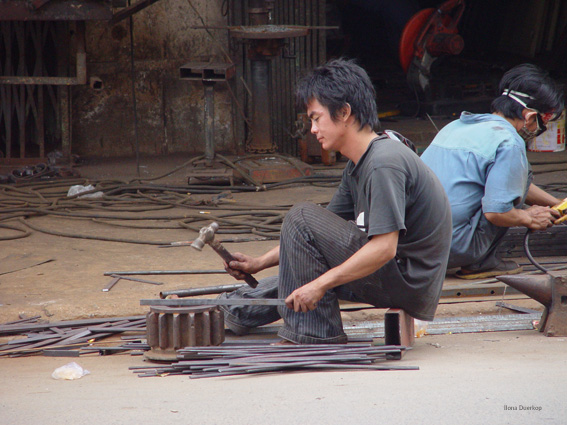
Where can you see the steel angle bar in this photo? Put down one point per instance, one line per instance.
(477, 289)
(214, 301)
(491, 323)
(60, 353)
(469, 324)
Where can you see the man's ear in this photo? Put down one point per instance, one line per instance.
(528, 115)
(345, 112)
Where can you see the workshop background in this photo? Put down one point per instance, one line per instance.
(103, 78)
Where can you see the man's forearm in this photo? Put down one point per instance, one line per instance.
(270, 258)
(514, 217)
(537, 196)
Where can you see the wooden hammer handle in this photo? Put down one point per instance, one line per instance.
(227, 257)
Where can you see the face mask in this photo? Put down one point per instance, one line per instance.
(529, 135)
(526, 134)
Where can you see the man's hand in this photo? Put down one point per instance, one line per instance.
(542, 217)
(535, 217)
(243, 264)
(305, 299)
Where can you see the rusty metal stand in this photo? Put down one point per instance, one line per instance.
(209, 73)
(264, 42)
(398, 328)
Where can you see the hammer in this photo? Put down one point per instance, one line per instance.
(207, 236)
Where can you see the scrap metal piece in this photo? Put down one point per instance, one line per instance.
(172, 328)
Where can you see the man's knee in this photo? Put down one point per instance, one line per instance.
(300, 214)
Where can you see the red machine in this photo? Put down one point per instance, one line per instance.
(429, 34)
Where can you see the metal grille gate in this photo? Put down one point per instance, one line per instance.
(34, 87)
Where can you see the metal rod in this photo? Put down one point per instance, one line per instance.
(159, 272)
(202, 291)
(209, 123)
(134, 104)
(111, 284)
(138, 280)
(215, 301)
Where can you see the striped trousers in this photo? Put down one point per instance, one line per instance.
(313, 240)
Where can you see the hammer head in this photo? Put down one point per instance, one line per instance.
(206, 235)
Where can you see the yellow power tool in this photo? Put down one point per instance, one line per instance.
(562, 209)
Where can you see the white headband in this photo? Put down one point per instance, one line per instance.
(514, 95)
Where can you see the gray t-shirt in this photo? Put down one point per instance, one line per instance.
(391, 189)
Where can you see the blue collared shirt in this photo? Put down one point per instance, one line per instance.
(481, 162)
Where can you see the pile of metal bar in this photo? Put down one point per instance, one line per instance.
(65, 336)
(235, 359)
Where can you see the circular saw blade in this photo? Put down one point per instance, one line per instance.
(410, 34)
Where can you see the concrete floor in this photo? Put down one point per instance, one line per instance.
(490, 378)
(514, 377)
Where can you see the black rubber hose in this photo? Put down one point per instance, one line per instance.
(529, 254)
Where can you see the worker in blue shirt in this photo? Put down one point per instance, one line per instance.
(481, 162)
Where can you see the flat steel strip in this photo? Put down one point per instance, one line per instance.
(214, 301)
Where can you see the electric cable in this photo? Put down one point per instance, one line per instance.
(529, 254)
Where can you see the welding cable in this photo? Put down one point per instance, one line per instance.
(529, 254)
(244, 225)
(27, 223)
(22, 232)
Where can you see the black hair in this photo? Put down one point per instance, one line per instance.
(532, 81)
(337, 83)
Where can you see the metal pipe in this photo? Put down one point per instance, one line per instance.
(209, 123)
(261, 118)
(191, 292)
(215, 301)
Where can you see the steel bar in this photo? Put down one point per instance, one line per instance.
(61, 353)
(517, 308)
(111, 284)
(227, 360)
(208, 290)
(160, 272)
(214, 301)
(23, 320)
(52, 337)
(135, 279)
(118, 329)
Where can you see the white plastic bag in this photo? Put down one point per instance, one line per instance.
(420, 328)
(79, 188)
(69, 371)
